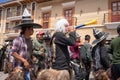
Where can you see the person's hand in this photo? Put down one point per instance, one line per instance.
(70, 29)
(34, 59)
(26, 64)
(42, 49)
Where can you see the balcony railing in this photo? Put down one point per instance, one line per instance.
(15, 15)
(11, 30)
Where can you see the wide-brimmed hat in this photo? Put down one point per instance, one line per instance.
(99, 36)
(27, 21)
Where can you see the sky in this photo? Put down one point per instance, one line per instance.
(1, 1)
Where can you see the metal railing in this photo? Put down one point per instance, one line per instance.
(15, 13)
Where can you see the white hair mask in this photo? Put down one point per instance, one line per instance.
(60, 25)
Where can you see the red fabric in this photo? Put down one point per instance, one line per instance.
(75, 51)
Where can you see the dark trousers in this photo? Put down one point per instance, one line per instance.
(79, 73)
(87, 69)
(115, 71)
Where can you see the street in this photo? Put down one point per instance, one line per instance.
(3, 76)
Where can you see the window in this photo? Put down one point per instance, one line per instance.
(46, 19)
(68, 14)
(8, 12)
(7, 28)
(16, 23)
(33, 6)
(18, 10)
(115, 15)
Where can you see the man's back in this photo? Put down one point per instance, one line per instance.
(115, 48)
(86, 52)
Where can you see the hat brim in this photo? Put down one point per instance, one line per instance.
(34, 25)
(99, 40)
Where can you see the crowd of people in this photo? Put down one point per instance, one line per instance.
(63, 54)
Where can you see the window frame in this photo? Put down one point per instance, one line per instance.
(72, 15)
(18, 13)
(8, 12)
(113, 15)
(48, 20)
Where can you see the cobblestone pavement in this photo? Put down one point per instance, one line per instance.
(3, 76)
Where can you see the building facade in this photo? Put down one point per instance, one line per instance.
(102, 14)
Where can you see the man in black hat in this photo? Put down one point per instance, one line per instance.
(115, 50)
(100, 51)
(22, 45)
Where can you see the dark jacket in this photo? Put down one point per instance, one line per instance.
(62, 57)
(115, 50)
(86, 52)
(104, 55)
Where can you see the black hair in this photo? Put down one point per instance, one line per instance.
(87, 37)
(23, 28)
(118, 29)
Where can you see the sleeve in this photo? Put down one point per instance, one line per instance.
(16, 45)
(110, 49)
(93, 53)
(61, 38)
(105, 57)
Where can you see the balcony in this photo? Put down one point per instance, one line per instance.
(9, 3)
(108, 24)
(11, 34)
(112, 25)
(11, 30)
(16, 15)
(39, 1)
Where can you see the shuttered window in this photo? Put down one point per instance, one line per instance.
(46, 20)
(115, 15)
(68, 14)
